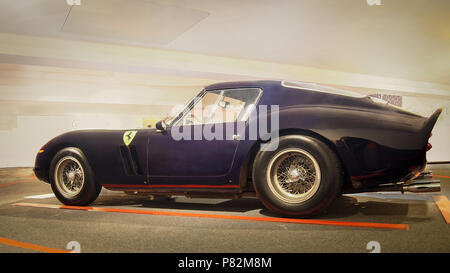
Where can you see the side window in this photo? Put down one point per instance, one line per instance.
(221, 106)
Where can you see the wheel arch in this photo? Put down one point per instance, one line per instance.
(53, 150)
(245, 177)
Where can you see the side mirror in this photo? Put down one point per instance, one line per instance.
(161, 126)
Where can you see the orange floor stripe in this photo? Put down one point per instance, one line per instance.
(15, 182)
(444, 206)
(441, 176)
(15, 243)
(230, 217)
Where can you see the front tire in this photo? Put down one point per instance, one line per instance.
(301, 177)
(72, 179)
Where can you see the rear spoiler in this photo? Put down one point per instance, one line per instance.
(429, 124)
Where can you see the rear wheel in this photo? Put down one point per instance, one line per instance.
(72, 179)
(301, 177)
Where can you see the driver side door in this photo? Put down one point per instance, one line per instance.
(200, 145)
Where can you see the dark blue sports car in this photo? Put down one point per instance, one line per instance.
(296, 146)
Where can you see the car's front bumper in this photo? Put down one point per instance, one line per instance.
(40, 173)
(40, 167)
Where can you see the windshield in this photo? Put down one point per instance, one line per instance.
(179, 110)
(217, 106)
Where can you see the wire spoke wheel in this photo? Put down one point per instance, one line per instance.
(69, 176)
(293, 175)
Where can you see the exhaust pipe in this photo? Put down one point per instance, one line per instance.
(429, 186)
(422, 183)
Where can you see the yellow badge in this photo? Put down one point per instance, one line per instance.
(128, 137)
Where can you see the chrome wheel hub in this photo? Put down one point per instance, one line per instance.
(295, 175)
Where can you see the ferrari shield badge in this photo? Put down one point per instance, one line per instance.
(128, 137)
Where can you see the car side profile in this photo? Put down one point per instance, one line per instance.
(296, 146)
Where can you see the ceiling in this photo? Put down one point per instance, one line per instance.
(406, 39)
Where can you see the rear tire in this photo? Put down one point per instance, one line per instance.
(301, 177)
(72, 179)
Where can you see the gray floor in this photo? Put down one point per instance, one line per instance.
(116, 232)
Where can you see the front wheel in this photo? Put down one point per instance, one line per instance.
(302, 177)
(72, 179)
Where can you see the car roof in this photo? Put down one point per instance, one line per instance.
(284, 83)
(242, 84)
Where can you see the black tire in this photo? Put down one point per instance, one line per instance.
(317, 171)
(87, 190)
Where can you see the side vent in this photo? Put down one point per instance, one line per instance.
(135, 160)
(130, 160)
